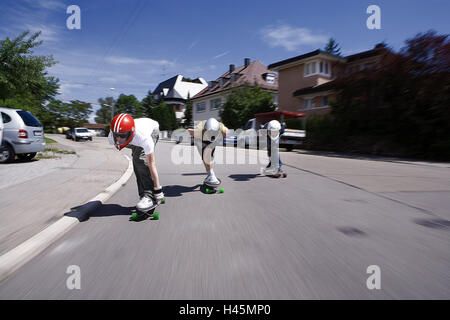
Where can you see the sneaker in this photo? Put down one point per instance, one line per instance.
(212, 180)
(146, 203)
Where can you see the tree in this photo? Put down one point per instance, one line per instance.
(165, 116)
(148, 103)
(243, 103)
(188, 113)
(21, 73)
(103, 115)
(128, 104)
(332, 47)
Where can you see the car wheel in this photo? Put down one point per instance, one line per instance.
(7, 155)
(26, 156)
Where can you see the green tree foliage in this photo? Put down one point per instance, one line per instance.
(332, 47)
(400, 107)
(166, 117)
(243, 103)
(148, 103)
(103, 114)
(128, 104)
(188, 113)
(23, 75)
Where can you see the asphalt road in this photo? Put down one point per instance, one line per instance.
(308, 236)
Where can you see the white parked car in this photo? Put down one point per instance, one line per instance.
(81, 134)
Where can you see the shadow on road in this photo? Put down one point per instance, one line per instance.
(177, 190)
(244, 177)
(108, 210)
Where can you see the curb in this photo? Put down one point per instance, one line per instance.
(23, 253)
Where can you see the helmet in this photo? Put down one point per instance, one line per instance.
(212, 128)
(122, 128)
(273, 129)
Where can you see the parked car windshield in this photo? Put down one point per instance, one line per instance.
(82, 130)
(29, 119)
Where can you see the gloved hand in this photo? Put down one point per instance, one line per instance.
(158, 194)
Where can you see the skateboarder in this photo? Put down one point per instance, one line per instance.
(207, 135)
(141, 136)
(274, 130)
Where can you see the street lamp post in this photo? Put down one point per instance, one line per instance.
(112, 107)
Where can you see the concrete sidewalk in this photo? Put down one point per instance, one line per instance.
(35, 194)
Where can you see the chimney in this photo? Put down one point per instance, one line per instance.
(246, 62)
(231, 68)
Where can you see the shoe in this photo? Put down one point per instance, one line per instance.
(212, 180)
(145, 204)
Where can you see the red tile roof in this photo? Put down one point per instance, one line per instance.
(254, 72)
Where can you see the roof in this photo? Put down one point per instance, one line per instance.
(253, 73)
(94, 125)
(301, 57)
(169, 83)
(285, 114)
(365, 54)
(319, 88)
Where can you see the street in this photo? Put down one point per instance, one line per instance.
(312, 235)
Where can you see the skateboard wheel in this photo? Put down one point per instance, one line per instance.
(163, 201)
(221, 190)
(134, 216)
(156, 216)
(208, 191)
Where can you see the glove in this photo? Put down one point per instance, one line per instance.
(159, 195)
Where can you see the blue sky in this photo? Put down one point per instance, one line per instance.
(132, 45)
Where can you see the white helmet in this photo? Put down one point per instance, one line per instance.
(273, 129)
(212, 128)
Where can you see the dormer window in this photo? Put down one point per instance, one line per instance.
(270, 78)
(319, 67)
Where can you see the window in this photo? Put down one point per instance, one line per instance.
(309, 103)
(29, 119)
(215, 104)
(201, 106)
(270, 78)
(317, 67)
(324, 101)
(5, 118)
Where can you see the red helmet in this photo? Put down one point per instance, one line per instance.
(122, 128)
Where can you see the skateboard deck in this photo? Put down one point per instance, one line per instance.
(213, 188)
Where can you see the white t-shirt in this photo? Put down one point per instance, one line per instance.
(144, 128)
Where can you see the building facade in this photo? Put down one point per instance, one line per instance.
(306, 82)
(207, 103)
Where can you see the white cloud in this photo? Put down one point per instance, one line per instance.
(129, 60)
(221, 55)
(48, 4)
(291, 38)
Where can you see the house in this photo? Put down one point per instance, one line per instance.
(206, 104)
(306, 81)
(96, 128)
(176, 90)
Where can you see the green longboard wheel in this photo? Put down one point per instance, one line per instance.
(156, 216)
(134, 216)
(208, 191)
(221, 190)
(163, 201)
